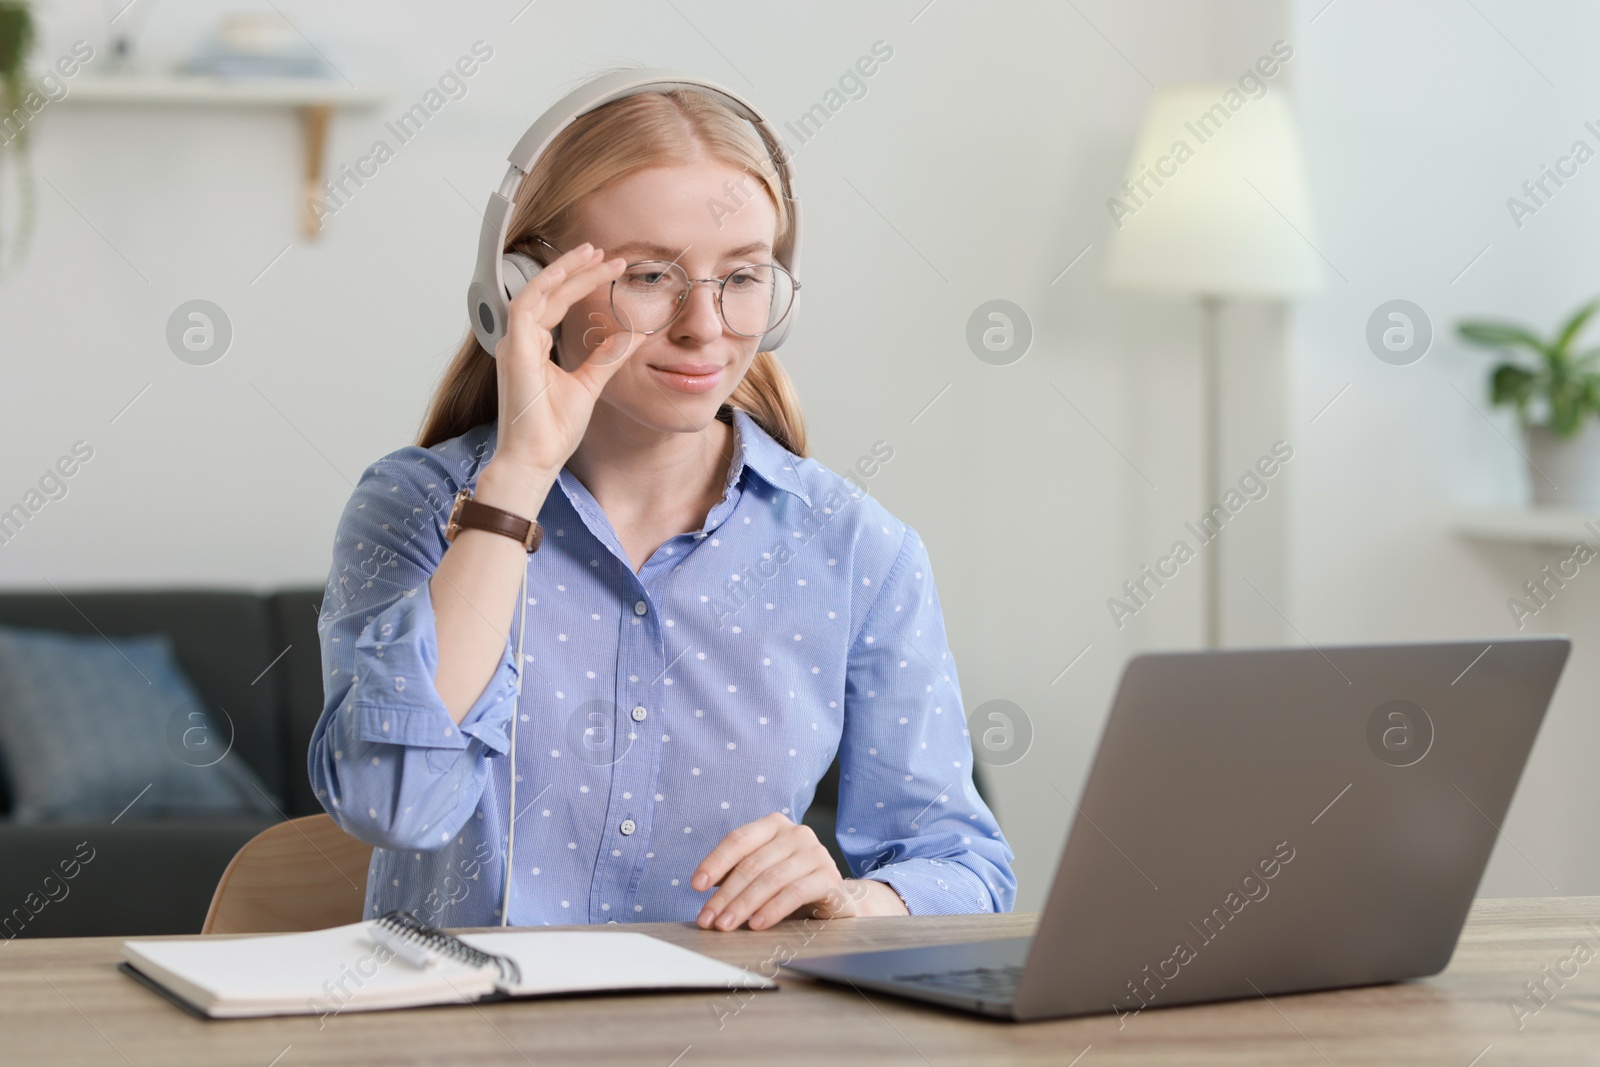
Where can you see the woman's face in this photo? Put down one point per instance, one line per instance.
(708, 217)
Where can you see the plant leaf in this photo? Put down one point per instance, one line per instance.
(1569, 403)
(1498, 335)
(1574, 324)
(1511, 384)
(1585, 358)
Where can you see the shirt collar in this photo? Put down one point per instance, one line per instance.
(753, 448)
(761, 452)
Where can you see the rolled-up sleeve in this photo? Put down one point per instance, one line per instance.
(386, 760)
(909, 814)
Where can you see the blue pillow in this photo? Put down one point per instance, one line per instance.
(94, 727)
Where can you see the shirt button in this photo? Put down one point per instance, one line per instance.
(611, 922)
(639, 713)
(640, 607)
(627, 827)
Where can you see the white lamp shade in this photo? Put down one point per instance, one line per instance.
(1216, 201)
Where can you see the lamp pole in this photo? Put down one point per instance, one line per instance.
(1211, 434)
(1214, 235)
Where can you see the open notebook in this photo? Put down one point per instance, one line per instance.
(399, 962)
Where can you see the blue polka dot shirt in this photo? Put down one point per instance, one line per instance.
(659, 710)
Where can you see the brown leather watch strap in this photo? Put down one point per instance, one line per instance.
(469, 514)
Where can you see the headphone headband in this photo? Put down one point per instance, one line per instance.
(487, 296)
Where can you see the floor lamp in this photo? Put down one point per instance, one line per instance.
(1215, 206)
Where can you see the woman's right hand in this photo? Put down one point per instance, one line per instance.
(544, 409)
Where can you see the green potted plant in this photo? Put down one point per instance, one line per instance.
(1555, 389)
(16, 41)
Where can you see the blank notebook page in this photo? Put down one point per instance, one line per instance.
(319, 970)
(559, 961)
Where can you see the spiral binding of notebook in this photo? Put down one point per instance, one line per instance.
(408, 928)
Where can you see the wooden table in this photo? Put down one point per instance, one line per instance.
(62, 1002)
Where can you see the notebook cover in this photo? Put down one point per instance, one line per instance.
(150, 983)
(168, 995)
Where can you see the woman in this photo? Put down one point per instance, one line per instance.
(709, 615)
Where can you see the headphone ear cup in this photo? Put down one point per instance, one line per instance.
(517, 270)
(780, 333)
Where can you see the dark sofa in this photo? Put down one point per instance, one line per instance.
(157, 876)
(257, 657)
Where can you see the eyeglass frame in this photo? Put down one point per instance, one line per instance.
(683, 301)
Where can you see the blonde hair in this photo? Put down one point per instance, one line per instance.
(652, 129)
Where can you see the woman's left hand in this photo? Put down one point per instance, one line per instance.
(770, 868)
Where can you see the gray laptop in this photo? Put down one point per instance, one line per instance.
(1261, 821)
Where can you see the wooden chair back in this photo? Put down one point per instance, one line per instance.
(303, 874)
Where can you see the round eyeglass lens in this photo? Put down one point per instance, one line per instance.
(754, 297)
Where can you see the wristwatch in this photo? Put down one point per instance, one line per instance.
(472, 514)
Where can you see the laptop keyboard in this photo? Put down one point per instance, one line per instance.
(991, 983)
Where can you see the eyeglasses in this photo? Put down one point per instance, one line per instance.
(649, 295)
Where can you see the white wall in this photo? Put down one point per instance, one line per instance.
(988, 145)
(1420, 120)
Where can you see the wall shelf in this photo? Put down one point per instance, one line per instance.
(314, 98)
(247, 92)
(1527, 526)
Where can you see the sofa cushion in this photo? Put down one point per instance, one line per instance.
(101, 727)
(225, 644)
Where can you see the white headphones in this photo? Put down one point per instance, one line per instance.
(500, 275)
